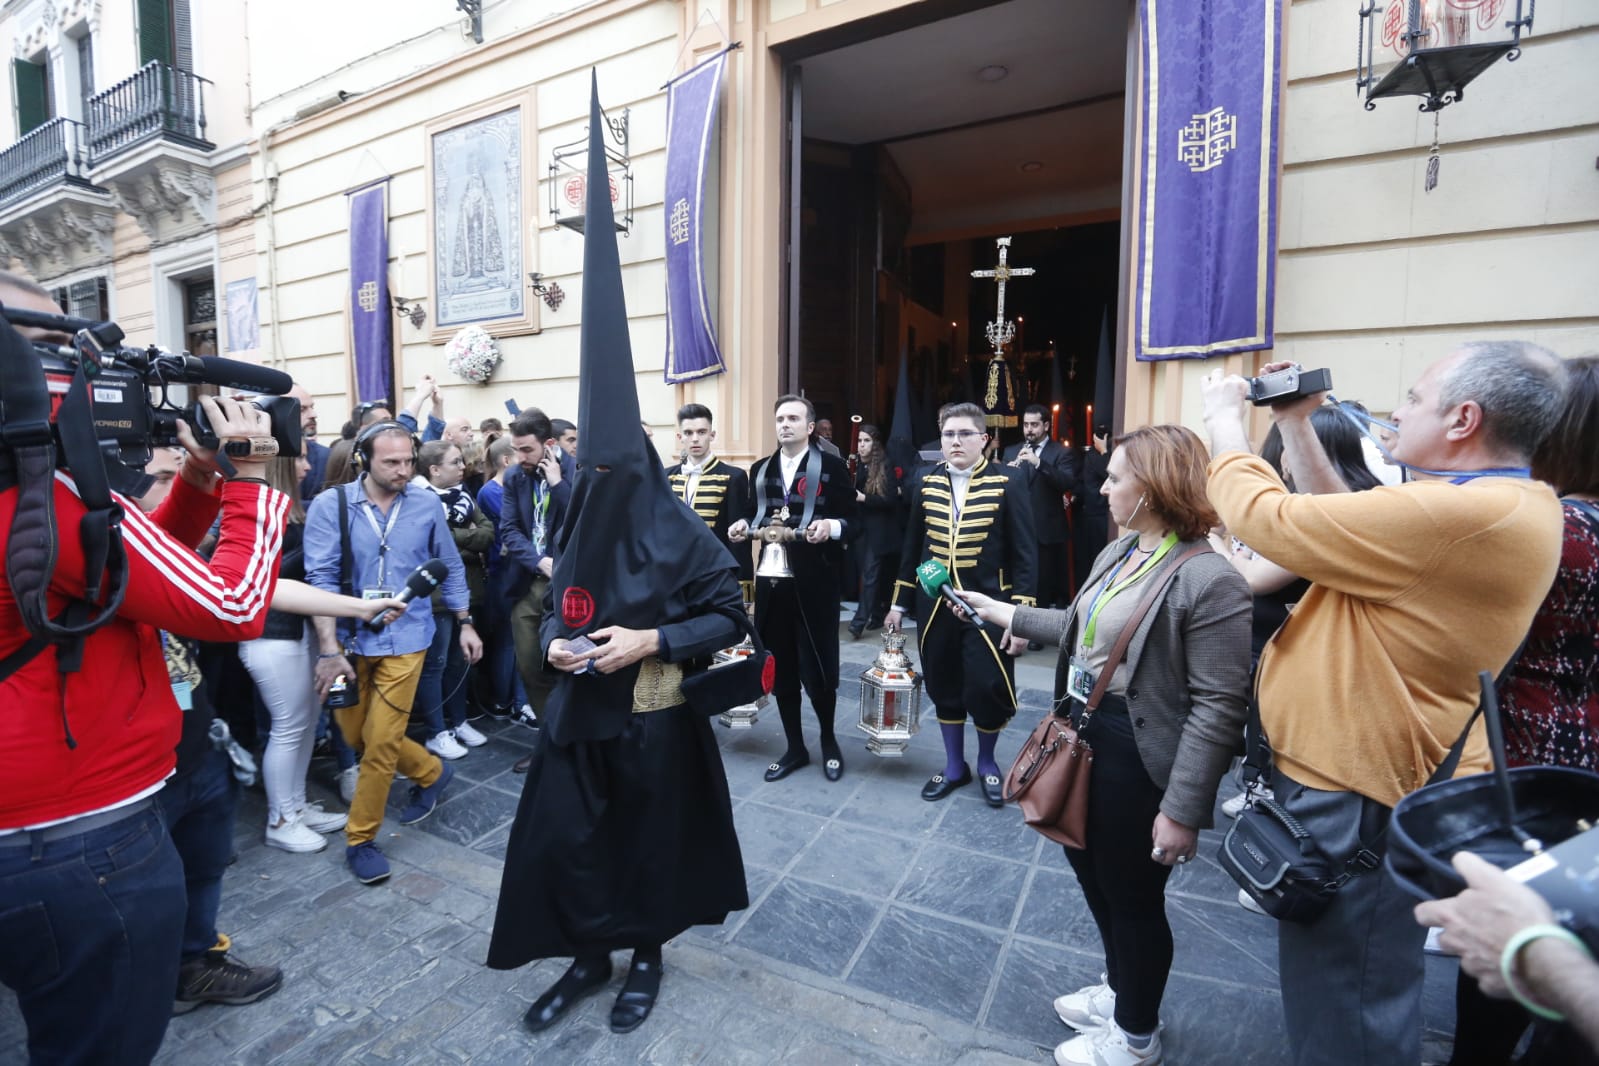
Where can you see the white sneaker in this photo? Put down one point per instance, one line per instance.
(445, 746)
(1108, 1047)
(347, 779)
(524, 715)
(1246, 901)
(469, 736)
(313, 817)
(1088, 1008)
(294, 835)
(1231, 808)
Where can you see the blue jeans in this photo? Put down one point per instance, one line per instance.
(500, 648)
(441, 692)
(198, 807)
(91, 925)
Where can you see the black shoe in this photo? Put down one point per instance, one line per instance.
(787, 765)
(855, 632)
(218, 977)
(994, 790)
(501, 711)
(637, 998)
(872, 627)
(1033, 645)
(522, 764)
(939, 786)
(580, 979)
(833, 764)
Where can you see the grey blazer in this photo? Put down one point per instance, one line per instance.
(1188, 675)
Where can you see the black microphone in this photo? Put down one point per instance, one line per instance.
(423, 580)
(232, 374)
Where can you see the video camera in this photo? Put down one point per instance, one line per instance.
(1290, 384)
(131, 408)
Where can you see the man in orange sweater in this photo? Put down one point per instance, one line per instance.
(1415, 588)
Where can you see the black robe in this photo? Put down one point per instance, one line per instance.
(628, 841)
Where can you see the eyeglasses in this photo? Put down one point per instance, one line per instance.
(960, 434)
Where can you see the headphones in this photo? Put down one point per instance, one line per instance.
(366, 441)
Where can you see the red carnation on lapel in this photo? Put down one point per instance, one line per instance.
(799, 486)
(577, 607)
(768, 673)
(899, 472)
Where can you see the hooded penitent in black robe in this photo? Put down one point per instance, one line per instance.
(624, 834)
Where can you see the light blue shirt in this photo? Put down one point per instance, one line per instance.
(385, 547)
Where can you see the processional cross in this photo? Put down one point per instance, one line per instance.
(1001, 330)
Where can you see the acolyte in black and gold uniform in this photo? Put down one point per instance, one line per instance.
(987, 543)
(721, 497)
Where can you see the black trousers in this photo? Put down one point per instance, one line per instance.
(1053, 588)
(1124, 887)
(967, 671)
(877, 579)
(806, 650)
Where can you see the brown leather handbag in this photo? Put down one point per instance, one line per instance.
(1049, 780)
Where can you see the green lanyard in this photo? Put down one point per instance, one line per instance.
(1105, 595)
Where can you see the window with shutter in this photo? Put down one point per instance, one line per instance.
(87, 299)
(155, 32)
(31, 82)
(85, 46)
(182, 38)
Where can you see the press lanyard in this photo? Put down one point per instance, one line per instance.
(1107, 593)
(541, 510)
(382, 535)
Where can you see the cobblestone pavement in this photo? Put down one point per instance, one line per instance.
(882, 930)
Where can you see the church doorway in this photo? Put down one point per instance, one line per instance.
(914, 141)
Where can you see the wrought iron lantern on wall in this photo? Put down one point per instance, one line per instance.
(1441, 46)
(568, 177)
(891, 700)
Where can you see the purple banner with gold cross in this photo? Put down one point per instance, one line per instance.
(371, 319)
(1205, 232)
(691, 100)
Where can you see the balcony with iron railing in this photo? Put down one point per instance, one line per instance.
(51, 154)
(157, 103)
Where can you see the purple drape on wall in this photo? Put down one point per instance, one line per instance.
(691, 100)
(371, 319)
(1206, 230)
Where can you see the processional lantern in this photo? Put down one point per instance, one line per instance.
(745, 715)
(1440, 45)
(891, 700)
(568, 177)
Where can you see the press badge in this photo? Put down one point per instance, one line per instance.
(184, 695)
(1079, 679)
(376, 594)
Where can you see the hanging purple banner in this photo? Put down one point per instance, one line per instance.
(371, 320)
(691, 100)
(1206, 231)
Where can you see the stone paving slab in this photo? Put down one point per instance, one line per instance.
(882, 929)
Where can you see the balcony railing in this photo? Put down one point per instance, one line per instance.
(51, 153)
(158, 101)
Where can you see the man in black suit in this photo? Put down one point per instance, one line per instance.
(537, 490)
(716, 491)
(1051, 471)
(803, 488)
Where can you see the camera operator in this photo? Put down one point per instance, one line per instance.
(1362, 692)
(92, 897)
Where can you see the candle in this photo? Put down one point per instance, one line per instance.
(1088, 418)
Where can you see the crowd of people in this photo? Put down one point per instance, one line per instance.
(1309, 577)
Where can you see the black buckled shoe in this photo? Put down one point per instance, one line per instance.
(833, 766)
(787, 765)
(637, 998)
(939, 786)
(580, 979)
(994, 790)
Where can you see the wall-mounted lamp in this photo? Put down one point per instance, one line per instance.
(552, 293)
(411, 309)
(474, 12)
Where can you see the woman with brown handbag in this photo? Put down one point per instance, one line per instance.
(1165, 730)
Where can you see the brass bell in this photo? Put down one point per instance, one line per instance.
(774, 561)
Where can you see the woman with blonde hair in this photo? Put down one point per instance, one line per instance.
(1163, 734)
(282, 662)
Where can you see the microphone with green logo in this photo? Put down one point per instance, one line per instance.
(934, 579)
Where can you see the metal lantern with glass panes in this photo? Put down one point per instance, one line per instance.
(744, 715)
(891, 699)
(1434, 48)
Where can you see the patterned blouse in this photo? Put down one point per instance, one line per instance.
(1550, 702)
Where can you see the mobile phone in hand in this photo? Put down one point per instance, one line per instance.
(582, 646)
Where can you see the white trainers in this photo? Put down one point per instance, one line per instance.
(294, 835)
(347, 779)
(445, 746)
(524, 715)
(1232, 807)
(469, 736)
(1108, 1047)
(1088, 1008)
(313, 817)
